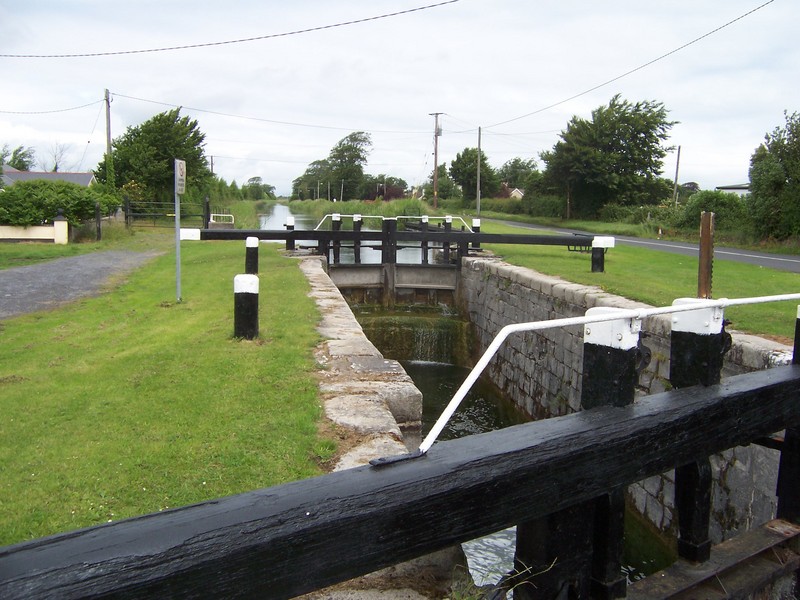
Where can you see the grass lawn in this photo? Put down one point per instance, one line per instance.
(129, 403)
(658, 278)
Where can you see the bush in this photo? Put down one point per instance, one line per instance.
(544, 206)
(509, 206)
(729, 210)
(28, 203)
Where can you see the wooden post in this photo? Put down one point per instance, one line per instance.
(336, 225)
(704, 270)
(789, 470)
(245, 306)
(357, 223)
(584, 543)
(424, 246)
(448, 227)
(476, 228)
(389, 246)
(251, 256)
(206, 212)
(697, 346)
(98, 222)
(610, 358)
(290, 245)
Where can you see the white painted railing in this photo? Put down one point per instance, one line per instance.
(633, 315)
(423, 218)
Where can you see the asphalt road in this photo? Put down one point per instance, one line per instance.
(782, 262)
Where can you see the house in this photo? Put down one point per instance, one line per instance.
(740, 189)
(11, 175)
(516, 193)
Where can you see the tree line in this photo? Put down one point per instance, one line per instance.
(606, 166)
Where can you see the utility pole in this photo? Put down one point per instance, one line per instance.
(436, 133)
(675, 188)
(110, 178)
(478, 191)
(108, 123)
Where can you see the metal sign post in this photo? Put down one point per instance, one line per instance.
(180, 188)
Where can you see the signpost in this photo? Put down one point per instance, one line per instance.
(180, 188)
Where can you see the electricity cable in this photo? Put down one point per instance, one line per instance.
(634, 70)
(229, 42)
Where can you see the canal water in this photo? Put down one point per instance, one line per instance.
(432, 344)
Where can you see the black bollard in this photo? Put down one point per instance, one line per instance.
(251, 256)
(476, 228)
(289, 227)
(245, 307)
(424, 244)
(600, 244)
(336, 225)
(357, 223)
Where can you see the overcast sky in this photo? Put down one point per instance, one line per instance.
(517, 68)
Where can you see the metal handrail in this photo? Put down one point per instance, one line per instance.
(621, 314)
(382, 218)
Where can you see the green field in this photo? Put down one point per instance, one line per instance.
(131, 403)
(657, 278)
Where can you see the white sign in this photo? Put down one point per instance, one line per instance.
(180, 176)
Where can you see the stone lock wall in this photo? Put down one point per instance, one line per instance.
(541, 373)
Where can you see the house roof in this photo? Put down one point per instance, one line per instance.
(744, 187)
(12, 175)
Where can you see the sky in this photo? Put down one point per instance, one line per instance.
(726, 70)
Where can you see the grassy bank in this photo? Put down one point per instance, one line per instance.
(658, 278)
(129, 403)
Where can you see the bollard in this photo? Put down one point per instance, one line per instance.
(357, 223)
(289, 227)
(577, 551)
(336, 225)
(599, 246)
(251, 255)
(476, 228)
(424, 244)
(698, 343)
(245, 307)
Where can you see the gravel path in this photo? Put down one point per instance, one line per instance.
(49, 284)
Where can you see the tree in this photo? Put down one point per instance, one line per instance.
(515, 172)
(447, 187)
(616, 156)
(20, 158)
(256, 189)
(146, 154)
(56, 158)
(347, 160)
(774, 202)
(342, 171)
(316, 176)
(464, 171)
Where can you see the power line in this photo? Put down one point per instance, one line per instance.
(48, 112)
(237, 41)
(262, 120)
(639, 68)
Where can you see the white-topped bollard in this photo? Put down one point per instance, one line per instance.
(289, 227)
(245, 307)
(251, 255)
(600, 244)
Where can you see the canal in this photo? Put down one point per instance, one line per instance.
(434, 346)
